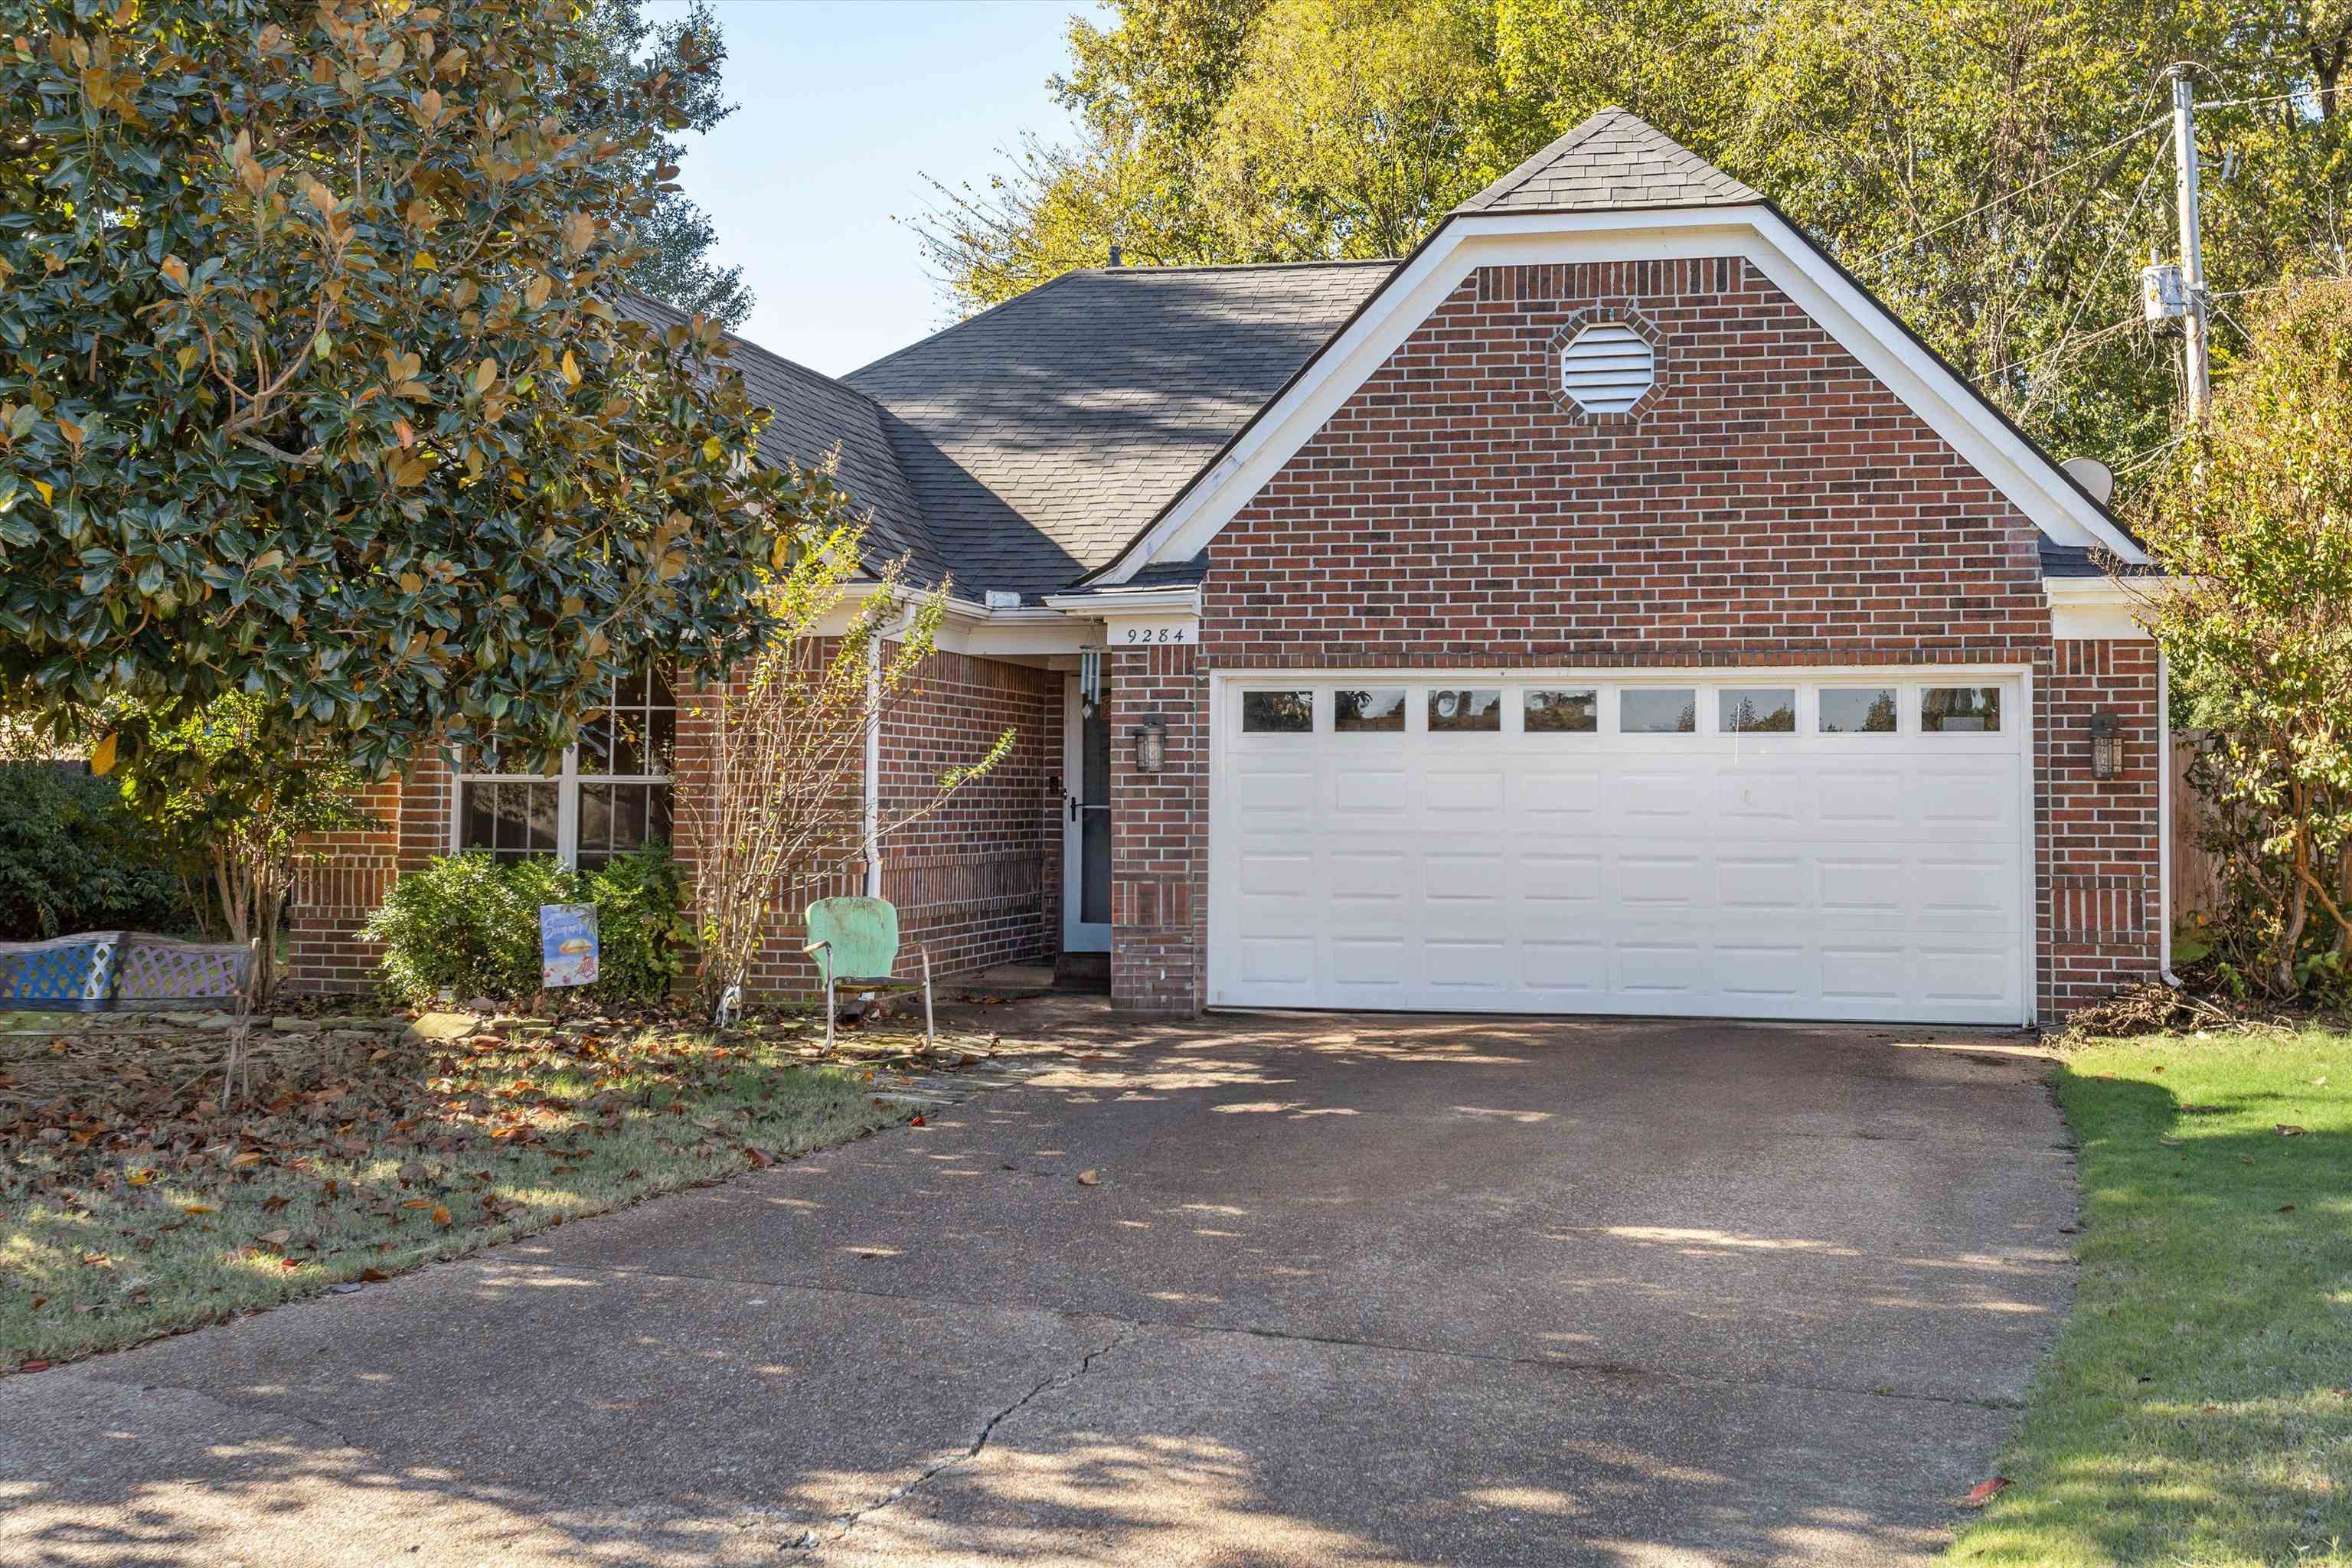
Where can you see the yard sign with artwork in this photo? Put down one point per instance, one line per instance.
(567, 944)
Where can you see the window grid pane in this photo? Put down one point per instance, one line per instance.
(1561, 713)
(1454, 712)
(1858, 710)
(1960, 709)
(1381, 710)
(1659, 710)
(1764, 711)
(615, 778)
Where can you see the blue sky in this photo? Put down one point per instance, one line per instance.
(845, 106)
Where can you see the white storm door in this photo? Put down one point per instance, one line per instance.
(1085, 825)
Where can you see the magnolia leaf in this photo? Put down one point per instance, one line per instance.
(101, 757)
(570, 368)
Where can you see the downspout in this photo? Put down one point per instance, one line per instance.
(2164, 816)
(874, 764)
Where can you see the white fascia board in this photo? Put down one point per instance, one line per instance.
(970, 628)
(1117, 601)
(2099, 609)
(1757, 234)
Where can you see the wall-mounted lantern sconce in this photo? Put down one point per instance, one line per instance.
(1150, 743)
(2107, 746)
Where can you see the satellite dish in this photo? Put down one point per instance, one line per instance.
(2093, 475)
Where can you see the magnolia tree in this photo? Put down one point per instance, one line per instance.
(313, 384)
(2254, 527)
(778, 794)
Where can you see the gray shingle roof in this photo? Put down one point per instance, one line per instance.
(1614, 160)
(816, 417)
(1042, 433)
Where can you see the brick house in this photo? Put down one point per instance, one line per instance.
(1611, 607)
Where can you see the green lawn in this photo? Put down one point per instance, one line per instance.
(2198, 1408)
(132, 1209)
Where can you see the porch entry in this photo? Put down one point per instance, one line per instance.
(1085, 821)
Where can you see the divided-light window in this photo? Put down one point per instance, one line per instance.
(612, 794)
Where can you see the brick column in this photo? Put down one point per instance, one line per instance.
(1160, 834)
(2101, 923)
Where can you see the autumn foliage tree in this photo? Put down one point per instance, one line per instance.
(313, 388)
(2253, 525)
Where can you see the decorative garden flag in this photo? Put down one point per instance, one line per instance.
(567, 944)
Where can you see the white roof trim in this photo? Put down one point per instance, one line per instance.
(1858, 323)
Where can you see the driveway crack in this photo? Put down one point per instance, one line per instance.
(809, 1540)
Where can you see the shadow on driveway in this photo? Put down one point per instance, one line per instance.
(1343, 1290)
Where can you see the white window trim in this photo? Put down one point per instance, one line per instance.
(567, 799)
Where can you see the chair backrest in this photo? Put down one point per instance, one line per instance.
(864, 933)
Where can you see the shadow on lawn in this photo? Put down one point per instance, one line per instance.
(2199, 1406)
(1347, 1291)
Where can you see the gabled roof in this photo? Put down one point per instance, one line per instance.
(1042, 433)
(1614, 161)
(817, 417)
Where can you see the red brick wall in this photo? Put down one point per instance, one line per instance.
(1775, 504)
(2100, 897)
(978, 882)
(1159, 841)
(333, 897)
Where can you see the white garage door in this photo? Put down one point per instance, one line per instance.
(1718, 843)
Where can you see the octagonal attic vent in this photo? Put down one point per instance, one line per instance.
(1607, 368)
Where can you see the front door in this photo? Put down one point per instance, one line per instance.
(1086, 825)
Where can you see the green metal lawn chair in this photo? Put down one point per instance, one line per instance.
(856, 944)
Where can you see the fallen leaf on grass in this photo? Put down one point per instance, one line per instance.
(34, 1366)
(1984, 1492)
(2289, 1129)
(198, 1208)
(917, 1121)
(1090, 1178)
(440, 1214)
(761, 1158)
(275, 1237)
(374, 1276)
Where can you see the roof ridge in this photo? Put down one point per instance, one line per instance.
(1542, 158)
(1149, 268)
(1629, 160)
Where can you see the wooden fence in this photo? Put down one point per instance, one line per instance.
(2196, 879)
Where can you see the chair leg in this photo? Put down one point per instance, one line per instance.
(829, 1004)
(929, 1041)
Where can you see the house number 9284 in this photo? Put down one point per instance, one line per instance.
(1138, 636)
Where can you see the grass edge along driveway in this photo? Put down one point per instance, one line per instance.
(2197, 1408)
(137, 1212)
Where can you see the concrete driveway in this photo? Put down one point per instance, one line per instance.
(1347, 1291)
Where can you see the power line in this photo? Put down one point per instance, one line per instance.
(2009, 195)
(2085, 340)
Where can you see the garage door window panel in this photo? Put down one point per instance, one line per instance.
(1458, 711)
(1561, 712)
(1960, 710)
(1370, 711)
(1658, 710)
(1859, 710)
(1278, 712)
(1756, 710)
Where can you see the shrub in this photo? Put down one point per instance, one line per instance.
(470, 922)
(72, 858)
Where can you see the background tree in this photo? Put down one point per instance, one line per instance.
(626, 51)
(2254, 523)
(310, 390)
(1997, 173)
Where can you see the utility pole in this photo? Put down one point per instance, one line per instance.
(2192, 250)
